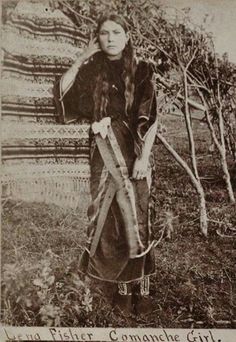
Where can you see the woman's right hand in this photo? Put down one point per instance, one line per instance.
(92, 48)
(69, 77)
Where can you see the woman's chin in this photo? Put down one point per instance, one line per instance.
(113, 55)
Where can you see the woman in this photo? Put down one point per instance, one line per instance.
(108, 87)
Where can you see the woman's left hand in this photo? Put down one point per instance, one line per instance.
(140, 168)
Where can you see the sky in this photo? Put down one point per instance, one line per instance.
(221, 20)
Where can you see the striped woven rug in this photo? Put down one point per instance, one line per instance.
(41, 160)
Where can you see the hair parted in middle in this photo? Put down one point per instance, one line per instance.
(100, 94)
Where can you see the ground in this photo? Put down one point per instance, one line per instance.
(195, 282)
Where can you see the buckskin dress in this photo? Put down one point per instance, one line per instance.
(120, 242)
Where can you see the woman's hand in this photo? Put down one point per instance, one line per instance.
(140, 168)
(69, 77)
(92, 48)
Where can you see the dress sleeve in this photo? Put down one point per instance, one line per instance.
(75, 103)
(146, 105)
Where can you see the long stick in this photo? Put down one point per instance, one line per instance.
(196, 184)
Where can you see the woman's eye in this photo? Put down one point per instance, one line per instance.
(116, 32)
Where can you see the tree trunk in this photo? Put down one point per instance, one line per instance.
(189, 128)
(220, 145)
(195, 182)
(223, 157)
(202, 209)
(226, 177)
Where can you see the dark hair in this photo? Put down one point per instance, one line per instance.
(102, 85)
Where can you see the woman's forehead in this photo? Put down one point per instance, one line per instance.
(110, 25)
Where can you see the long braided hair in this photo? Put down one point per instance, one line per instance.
(100, 94)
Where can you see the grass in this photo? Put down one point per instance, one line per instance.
(194, 285)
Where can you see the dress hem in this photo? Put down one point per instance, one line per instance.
(116, 281)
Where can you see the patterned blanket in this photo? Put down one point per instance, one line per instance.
(42, 160)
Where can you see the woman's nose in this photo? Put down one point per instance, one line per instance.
(110, 37)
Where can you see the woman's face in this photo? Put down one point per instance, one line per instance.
(112, 39)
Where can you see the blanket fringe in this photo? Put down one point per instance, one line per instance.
(73, 193)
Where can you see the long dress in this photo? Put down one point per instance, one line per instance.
(120, 241)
